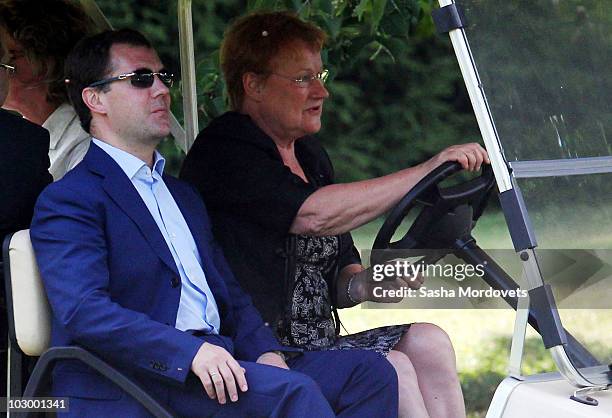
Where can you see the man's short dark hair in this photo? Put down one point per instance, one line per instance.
(89, 62)
(47, 31)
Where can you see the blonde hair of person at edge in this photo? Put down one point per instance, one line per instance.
(38, 36)
(256, 167)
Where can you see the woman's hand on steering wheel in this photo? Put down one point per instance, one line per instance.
(470, 156)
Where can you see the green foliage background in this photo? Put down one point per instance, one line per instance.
(396, 93)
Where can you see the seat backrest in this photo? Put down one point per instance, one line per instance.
(28, 309)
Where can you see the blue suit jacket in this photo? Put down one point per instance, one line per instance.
(112, 282)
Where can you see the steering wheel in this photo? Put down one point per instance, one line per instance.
(448, 213)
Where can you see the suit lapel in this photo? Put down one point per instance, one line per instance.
(121, 190)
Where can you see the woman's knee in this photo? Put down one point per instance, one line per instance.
(425, 337)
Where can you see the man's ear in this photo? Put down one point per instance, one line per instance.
(93, 100)
(253, 86)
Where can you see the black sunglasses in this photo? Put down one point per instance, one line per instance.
(142, 78)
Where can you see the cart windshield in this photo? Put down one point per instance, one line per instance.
(544, 66)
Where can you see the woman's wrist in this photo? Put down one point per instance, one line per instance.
(350, 289)
(355, 289)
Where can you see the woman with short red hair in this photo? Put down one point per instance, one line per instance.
(284, 225)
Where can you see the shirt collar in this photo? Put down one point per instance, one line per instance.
(240, 127)
(130, 164)
(58, 121)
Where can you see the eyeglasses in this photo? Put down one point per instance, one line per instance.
(306, 80)
(9, 68)
(141, 79)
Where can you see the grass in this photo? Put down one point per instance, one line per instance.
(482, 337)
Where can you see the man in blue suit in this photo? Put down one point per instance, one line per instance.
(133, 274)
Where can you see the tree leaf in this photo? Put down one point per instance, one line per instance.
(362, 8)
(378, 10)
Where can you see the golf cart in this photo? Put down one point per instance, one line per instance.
(530, 134)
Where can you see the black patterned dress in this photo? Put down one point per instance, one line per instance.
(308, 321)
(253, 199)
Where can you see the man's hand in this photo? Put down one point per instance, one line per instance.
(272, 359)
(218, 371)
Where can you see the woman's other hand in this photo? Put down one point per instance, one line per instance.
(272, 359)
(393, 289)
(471, 156)
(390, 290)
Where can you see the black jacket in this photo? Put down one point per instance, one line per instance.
(253, 198)
(24, 164)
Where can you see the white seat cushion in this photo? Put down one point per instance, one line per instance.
(31, 310)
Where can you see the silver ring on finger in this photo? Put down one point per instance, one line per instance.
(213, 373)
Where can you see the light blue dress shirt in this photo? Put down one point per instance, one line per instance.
(197, 308)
